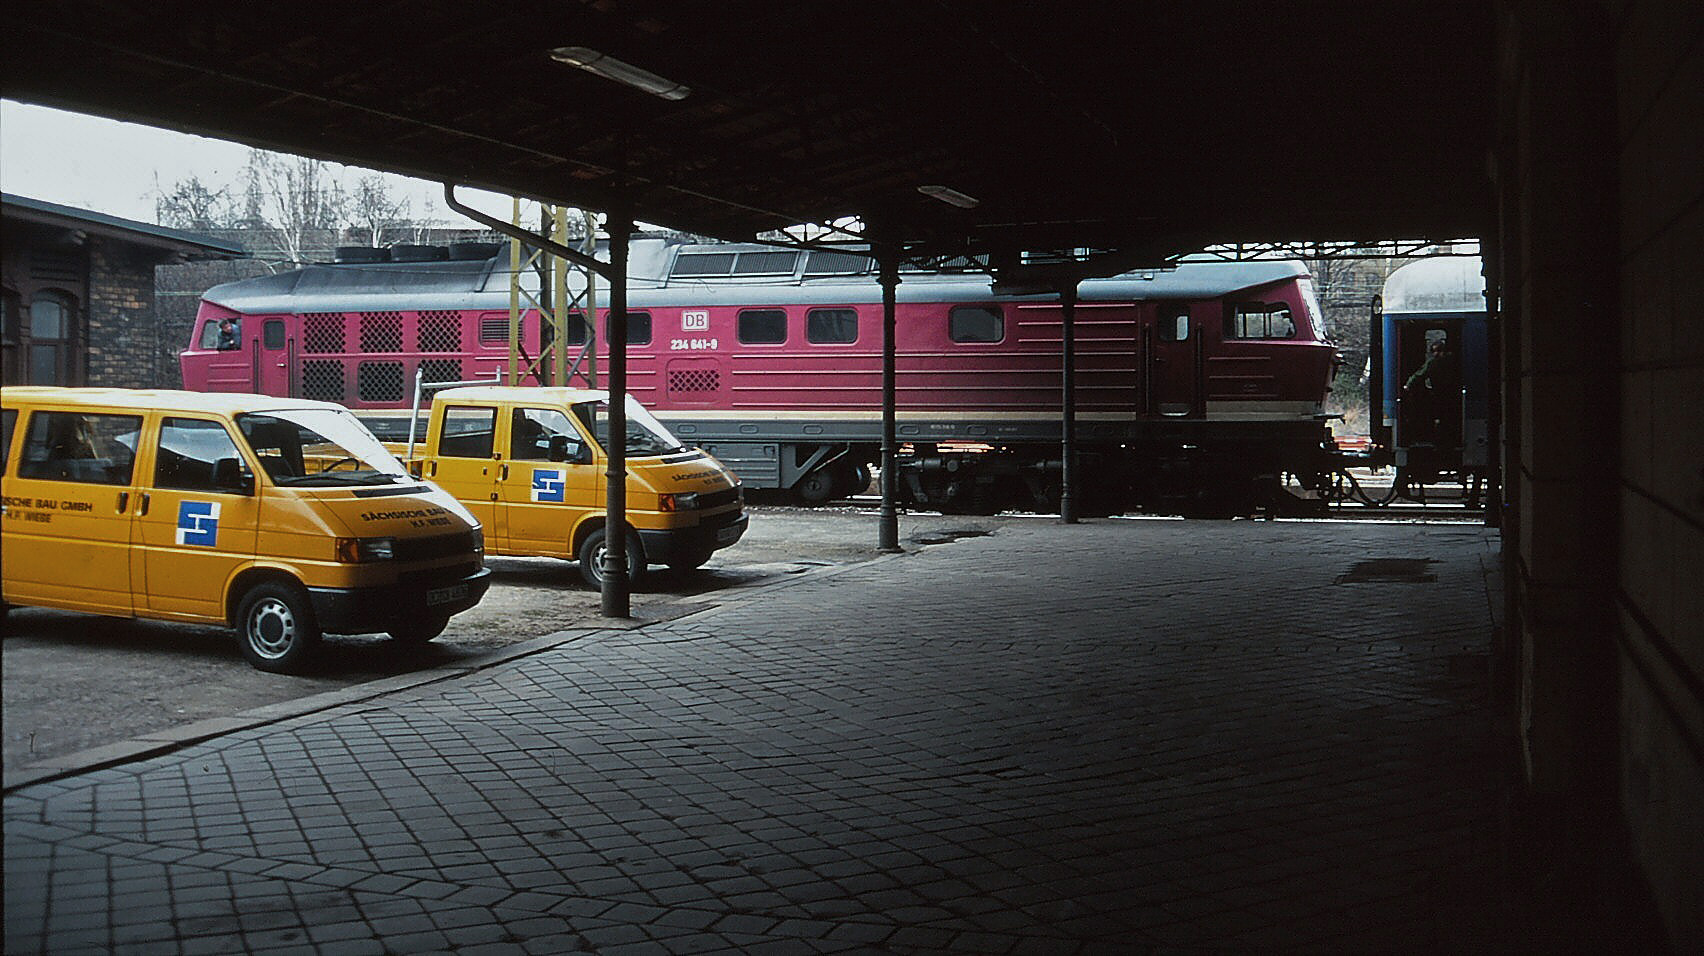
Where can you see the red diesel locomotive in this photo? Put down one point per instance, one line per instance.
(1197, 388)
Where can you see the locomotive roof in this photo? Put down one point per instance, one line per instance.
(1445, 284)
(484, 285)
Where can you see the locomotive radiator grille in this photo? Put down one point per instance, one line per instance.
(322, 333)
(322, 380)
(440, 331)
(381, 331)
(694, 380)
(441, 370)
(379, 382)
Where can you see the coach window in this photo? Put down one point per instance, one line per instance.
(976, 323)
(70, 446)
(1174, 323)
(466, 432)
(1258, 320)
(191, 455)
(762, 327)
(831, 326)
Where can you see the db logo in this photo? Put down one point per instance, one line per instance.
(694, 321)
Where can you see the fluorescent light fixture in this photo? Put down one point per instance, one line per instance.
(626, 74)
(949, 196)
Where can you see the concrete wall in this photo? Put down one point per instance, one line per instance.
(1659, 597)
(1600, 168)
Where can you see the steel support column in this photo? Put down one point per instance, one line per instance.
(887, 538)
(615, 578)
(1068, 403)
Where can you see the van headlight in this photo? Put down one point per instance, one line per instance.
(684, 501)
(364, 550)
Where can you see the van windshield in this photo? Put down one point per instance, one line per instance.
(316, 447)
(645, 435)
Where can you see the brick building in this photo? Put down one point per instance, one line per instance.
(78, 292)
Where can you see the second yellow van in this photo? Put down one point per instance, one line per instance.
(281, 517)
(530, 464)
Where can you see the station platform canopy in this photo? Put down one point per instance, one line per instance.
(951, 128)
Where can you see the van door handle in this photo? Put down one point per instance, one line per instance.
(431, 469)
(123, 501)
(144, 509)
(504, 474)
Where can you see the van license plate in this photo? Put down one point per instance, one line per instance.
(454, 592)
(728, 534)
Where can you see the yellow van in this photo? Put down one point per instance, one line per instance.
(529, 463)
(283, 518)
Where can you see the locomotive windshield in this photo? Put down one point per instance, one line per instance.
(645, 435)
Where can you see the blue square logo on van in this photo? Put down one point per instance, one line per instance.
(198, 523)
(548, 485)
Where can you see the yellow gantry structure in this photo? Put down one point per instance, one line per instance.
(566, 294)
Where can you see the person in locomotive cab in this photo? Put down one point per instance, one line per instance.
(227, 335)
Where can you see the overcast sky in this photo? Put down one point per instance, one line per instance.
(118, 168)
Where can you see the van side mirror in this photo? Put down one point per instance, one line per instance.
(231, 477)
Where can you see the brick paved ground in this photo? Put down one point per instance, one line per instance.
(1116, 736)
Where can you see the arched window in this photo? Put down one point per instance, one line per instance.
(11, 327)
(51, 327)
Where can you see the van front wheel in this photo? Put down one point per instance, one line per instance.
(276, 626)
(592, 553)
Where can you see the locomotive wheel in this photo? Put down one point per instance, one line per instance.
(817, 487)
(859, 479)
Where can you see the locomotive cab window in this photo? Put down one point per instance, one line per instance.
(976, 323)
(831, 326)
(1261, 320)
(210, 333)
(763, 327)
(1173, 325)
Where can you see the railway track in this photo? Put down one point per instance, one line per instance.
(1442, 508)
